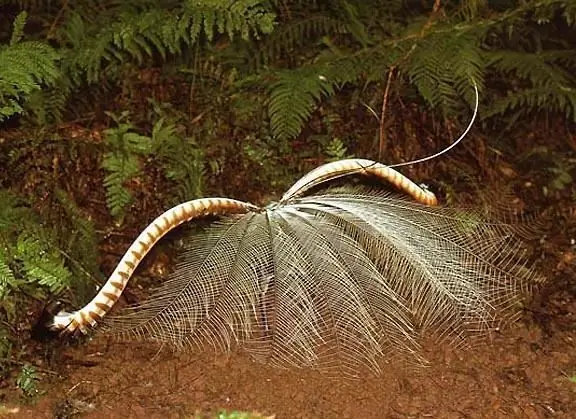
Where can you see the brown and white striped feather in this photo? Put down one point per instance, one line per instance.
(341, 168)
(111, 291)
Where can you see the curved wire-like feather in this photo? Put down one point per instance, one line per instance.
(337, 279)
(341, 168)
(110, 293)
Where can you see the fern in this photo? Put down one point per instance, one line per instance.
(443, 68)
(42, 263)
(25, 67)
(123, 163)
(540, 77)
(292, 99)
(440, 58)
(181, 158)
(336, 150)
(43, 253)
(29, 252)
(120, 35)
(7, 278)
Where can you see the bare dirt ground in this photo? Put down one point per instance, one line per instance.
(522, 373)
(526, 371)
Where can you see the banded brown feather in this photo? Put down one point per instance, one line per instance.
(109, 294)
(365, 167)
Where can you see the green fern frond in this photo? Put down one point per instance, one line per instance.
(25, 67)
(42, 263)
(245, 18)
(18, 28)
(541, 83)
(443, 68)
(533, 99)
(29, 249)
(7, 278)
(121, 168)
(122, 163)
(529, 66)
(293, 97)
(128, 36)
(182, 160)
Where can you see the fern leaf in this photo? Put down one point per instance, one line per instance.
(293, 98)
(18, 28)
(122, 164)
(7, 278)
(183, 162)
(42, 263)
(24, 68)
(121, 169)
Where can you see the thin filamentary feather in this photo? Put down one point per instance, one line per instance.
(336, 279)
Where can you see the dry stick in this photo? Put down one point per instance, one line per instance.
(386, 95)
(50, 34)
(382, 139)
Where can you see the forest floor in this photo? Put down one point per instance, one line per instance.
(524, 371)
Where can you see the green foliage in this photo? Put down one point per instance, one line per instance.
(41, 262)
(439, 58)
(167, 148)
(7, 278)
(547, 82)
(27, 381)
(304, 51)
(181, 158)
(122, 162)
(125, 32)
(25, 68)
(29, 255)
(38, 257)
(293, 98)
(336, 150)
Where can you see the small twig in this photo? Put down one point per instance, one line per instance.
(382, 137)
(430, 20)
(52, 29)
(75, 386)
(386, 95)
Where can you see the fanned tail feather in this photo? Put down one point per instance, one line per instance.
(336, 280)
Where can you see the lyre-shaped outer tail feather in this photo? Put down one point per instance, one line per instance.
(334, 281)
(110, 292)
(341, 168)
